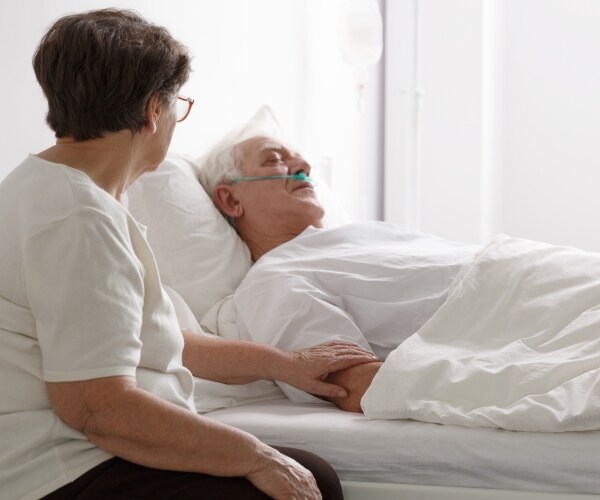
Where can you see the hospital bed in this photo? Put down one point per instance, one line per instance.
(409, 460)
(201, 258)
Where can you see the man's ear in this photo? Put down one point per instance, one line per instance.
(153, 112)
(227, 201)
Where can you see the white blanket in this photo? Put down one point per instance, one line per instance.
(515, 346)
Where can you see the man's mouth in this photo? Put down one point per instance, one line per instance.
(302, 185)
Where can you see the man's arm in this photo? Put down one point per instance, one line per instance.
(356, 380)
(299, 314)
(117, 416)
(238, 362)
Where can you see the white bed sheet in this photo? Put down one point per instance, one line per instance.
(410, 452)
(514, 346)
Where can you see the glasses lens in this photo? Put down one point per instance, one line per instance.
(182, 108)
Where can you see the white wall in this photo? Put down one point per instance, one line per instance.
(552, 127)
(433, 116)
(503, 137)
(246, 53)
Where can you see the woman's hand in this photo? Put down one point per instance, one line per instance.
(282, 478)
(308, 368)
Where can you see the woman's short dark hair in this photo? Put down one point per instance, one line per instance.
(99, 68)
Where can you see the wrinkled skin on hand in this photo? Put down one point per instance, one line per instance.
(282, 478)
(356, 380)
(308, 369)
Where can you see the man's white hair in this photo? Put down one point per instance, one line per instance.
(221, 163)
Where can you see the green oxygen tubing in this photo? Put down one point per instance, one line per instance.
(297, 177)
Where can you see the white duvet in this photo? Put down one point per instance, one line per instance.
(516, 346)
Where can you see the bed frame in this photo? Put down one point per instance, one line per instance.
(357, 490)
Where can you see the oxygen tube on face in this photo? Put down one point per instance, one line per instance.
(301, 176)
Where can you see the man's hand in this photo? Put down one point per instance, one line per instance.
(308, 369)
(356, 380)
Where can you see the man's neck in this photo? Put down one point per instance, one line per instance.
(261, 241)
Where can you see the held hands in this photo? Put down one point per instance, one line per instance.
(307, 369)
(356, 380)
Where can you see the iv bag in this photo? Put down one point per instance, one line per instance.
(360, 32)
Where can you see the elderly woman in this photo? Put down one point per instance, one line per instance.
(95, 375)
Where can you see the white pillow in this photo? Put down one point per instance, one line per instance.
(198, 253)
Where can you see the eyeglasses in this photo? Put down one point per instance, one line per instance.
(184, 106)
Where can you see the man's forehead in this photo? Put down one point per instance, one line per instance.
(261, 145)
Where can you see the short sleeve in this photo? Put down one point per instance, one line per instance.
(291, 313)
(85, 288)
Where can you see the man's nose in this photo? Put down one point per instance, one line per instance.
(299, 165)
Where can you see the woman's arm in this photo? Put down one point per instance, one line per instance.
(117, 416)
(238, 362)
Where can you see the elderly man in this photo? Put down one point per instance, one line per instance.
(372, 283)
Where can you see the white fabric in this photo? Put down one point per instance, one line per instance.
(210, 395)
(516, 346)
(221, 319)
(185, 316)
(372, 283)
(198, 253)
(410, 452)
(80, 298)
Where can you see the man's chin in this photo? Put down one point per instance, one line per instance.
(318, 220)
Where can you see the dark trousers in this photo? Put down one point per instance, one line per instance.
(118, 479)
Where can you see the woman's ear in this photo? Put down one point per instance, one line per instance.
(227, 201)
(153, 112)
